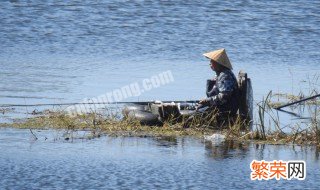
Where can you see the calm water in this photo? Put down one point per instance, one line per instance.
(140, 163)
(74, 50)
(68, 51)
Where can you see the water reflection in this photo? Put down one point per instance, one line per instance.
(166, 141)
(118, 162)
(317, 153)
(226, 149)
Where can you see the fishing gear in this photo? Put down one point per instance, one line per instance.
(94, 103)
(296, 102)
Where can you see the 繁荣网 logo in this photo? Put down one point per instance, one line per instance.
(278, 169)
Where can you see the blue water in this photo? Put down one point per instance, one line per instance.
(74, 50)
(140, 163)
(58, 51)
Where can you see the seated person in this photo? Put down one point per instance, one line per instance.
(222, 92)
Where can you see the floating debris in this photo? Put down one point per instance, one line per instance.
(215, 138)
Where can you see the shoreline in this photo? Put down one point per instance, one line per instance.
(267, 128)
(120, 129)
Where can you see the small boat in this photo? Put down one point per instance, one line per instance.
(156, 113)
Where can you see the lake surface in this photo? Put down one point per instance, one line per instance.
(57, 52)
(75, 50)
(140, 163)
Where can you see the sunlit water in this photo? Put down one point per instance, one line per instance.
(68, 51)
(140, 163)
(75, 50)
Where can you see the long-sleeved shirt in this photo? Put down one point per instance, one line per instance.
(223, 92)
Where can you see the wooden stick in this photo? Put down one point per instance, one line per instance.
(302, 100)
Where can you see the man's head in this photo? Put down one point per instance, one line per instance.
(218, 60)
(214, 65)
(217, 67)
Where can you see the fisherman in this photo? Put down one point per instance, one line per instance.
(222, 91)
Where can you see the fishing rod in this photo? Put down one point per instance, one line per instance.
(291, 113)
(94, 103)
(296, 102)
(29, 97)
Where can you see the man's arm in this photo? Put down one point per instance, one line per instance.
(211, 89)
(224, 87)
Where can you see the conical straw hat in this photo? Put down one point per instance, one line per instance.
(219, 56)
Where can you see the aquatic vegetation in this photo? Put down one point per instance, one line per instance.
(306, 132)
(267, 128)
(100, 124)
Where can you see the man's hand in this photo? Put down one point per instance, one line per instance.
(199, 106)
(203, 103)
